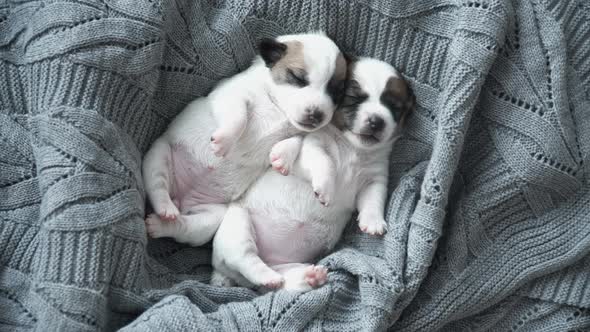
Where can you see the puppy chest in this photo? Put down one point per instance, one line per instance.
(350, 178)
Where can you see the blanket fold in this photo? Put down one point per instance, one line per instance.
(489, 203)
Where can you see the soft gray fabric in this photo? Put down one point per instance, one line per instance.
(489, 216)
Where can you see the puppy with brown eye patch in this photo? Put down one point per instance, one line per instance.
(273, 235)
(300, 81)
(371, 114)
(219, 145)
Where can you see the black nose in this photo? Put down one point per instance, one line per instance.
(376, 123)
(315, 116)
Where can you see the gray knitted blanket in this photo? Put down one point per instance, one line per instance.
(489, 206)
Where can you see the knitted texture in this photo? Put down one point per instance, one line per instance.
(489, 205)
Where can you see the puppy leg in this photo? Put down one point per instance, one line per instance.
(195, 229)
(234, 248)
(317, 166)
(284, 153)
(371, 206)
(231, 119)
(158, 182)
(302, 277)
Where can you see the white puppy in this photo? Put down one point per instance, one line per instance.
(215, 148)
(271, 236)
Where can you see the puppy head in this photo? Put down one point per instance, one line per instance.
(376, 104)
(308, 74)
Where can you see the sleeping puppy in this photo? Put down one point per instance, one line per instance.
(219, 145)
(271, 236)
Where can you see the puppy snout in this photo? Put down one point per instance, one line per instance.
(376, 123)
(314, 116)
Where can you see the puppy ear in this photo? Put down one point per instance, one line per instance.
(350, 58)
(271, 50)
(337, 85)
(399, 98)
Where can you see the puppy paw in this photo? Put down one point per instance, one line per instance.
(272, 280)
(323, 191)
(283, 155)
(154, 226)
(274, 283)
(218, 279)
(279, 164)
(372, 225)
(316, 275)
(221, 143)
(168, 212)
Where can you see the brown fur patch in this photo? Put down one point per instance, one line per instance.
(337, 85)
(353, 95)
(399, 98)
(341, 68)
(293, 60)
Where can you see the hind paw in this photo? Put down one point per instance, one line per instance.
(316, 275)
(218, 279)
(272, 280)
(154, 226)
(168, 213)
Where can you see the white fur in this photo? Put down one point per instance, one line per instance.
(345, 174)
(373, 84)
(244, 116)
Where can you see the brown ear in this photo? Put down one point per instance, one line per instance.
(336, 87)
(398, 87)
(271, 50)
(399, 98)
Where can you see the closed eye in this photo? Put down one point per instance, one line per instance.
(353, 96)
(296, 79)
(353, 100)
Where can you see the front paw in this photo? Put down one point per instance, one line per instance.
(221, 143)
(372, 225)
(282, 157)
(324, 192)
(279, 164)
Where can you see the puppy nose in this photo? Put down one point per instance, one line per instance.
(315, 115)
(376, 123)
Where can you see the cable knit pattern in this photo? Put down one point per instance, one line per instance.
(489, 206)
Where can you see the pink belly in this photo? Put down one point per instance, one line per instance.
(195, 183)
(281, 240)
